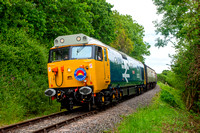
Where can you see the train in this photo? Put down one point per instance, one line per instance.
(83, 71)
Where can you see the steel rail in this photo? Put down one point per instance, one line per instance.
(32, 121)
(74, 119)
(65, 122)
(59, 124)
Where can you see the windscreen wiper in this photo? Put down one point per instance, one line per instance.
(79, 49)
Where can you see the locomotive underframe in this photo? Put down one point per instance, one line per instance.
(69, 97)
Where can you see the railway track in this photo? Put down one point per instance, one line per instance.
(15, 127)
(65, 122)
(11, 128)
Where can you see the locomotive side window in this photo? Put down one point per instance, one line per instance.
(56, 55)
(98, 53)
(59, 54)
(81, 52)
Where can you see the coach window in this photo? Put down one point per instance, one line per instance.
(124, 56)
(98, 53)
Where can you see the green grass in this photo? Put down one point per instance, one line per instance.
(16, 113)
(161, 116)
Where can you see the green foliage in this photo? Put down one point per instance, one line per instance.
(129, 37)
(161, 78)
(171, 96)
(45, 20)
(170, 78)
(23, 76)
(181, 21)
(102, 20)
(168, 98)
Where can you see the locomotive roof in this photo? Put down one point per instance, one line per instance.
(76, 39)
(81, 39)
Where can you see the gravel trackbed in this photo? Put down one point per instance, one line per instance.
(109, 118)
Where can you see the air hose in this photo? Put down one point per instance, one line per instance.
(56, 81)
(62, 70)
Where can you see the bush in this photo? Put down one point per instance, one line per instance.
(171, 96)
(161, 78)
(23, 77)
(168, 98)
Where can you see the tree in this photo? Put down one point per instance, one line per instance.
(181, 21)
(129, 37)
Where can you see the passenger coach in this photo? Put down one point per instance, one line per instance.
(83, 71)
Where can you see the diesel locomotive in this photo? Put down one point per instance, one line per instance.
(83, 71)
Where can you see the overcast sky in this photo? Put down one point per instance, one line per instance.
(144, 12)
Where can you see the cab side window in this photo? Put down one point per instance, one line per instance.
(98, 53)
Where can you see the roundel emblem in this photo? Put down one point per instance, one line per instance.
(80, 74)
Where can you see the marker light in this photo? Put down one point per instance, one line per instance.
(62, 40)
(84, 38)
(69, 70)
(56, 41)
(78, 38)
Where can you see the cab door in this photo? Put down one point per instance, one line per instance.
(106, 66)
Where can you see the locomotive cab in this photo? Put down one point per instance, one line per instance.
(77, 70)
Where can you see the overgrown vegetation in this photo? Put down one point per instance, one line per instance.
(27, 31)
(181, 22)
(166, 114)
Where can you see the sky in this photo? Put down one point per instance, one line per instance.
(144, 13)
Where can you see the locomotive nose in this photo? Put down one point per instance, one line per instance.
(50, 92)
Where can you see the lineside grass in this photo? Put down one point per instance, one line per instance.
(14, 115)
(166, 114)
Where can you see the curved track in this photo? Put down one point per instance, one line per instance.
(12, 127)
(54, 125)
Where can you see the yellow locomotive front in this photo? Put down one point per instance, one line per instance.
(77, 71)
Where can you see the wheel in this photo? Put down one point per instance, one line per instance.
(101, 100)
(120, 95)
(137, 91)
(113, 98)
(87, 107)
(69, 107)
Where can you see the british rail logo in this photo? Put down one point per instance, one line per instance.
(80, 74)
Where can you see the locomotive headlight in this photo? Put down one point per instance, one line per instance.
(85, 90)
(68, 69)
(62, 40)
(78, 38)
(50, 92)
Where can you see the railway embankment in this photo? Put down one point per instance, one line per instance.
(167, 113)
